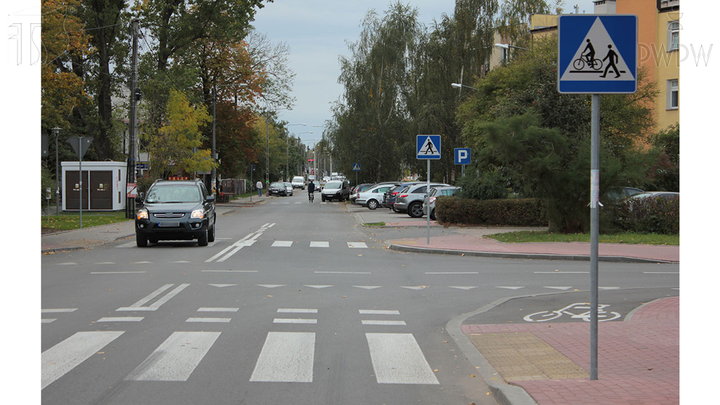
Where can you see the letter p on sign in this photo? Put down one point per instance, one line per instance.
(462, 156)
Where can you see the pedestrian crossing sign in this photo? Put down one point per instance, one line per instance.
(428, 147)
(356, 167)
(597, 54)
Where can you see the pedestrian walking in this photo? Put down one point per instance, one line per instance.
(258, 185)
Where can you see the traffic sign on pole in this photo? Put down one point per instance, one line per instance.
(597, 54)
(428, 147)
(462, 156)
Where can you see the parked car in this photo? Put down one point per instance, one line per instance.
(175, 210)
(410, 200)
(355, 190)
(391, 195)
(277, 188)
(288, 188)
(336, 189)
(298, 182)
(434, 194)
(372, 197)
(619, 193)
(665, 195)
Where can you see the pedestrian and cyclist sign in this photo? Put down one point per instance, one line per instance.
(597, 54)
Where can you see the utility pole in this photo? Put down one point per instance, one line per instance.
(214, 153)
(134, 97)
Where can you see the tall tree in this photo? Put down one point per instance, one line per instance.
(177, 148)
(376, 81)
(106, 22)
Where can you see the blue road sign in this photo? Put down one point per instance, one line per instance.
(356, 167)
(462, 156)
(597, 54)
(428, 147)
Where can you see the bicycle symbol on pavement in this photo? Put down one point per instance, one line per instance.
(580, 310)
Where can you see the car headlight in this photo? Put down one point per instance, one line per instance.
(142, 214)
(197, 214)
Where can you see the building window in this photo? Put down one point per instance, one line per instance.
(673, 36)
(673, 102)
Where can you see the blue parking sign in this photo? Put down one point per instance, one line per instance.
(462, 156)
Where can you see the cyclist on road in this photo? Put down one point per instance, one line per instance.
(311, 191)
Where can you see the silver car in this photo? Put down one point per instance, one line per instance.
(410, 199)
(434, 194)
(372, 197)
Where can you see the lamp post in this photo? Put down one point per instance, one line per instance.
(460, 86)
(56, 132)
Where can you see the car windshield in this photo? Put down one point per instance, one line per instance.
(277, 185)
(332, 185)
(174, 194)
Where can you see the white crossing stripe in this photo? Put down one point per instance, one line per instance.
(357, 245)
(297, 311)
(397, 359)
(211, 309)
(379, 312)
(176, 358)
(463, 287)
(57, 310)
(384, 323)
(316, 244)
(48, 320)
(282, 243)
(454, 273)
(295, 320)
(118, 272)
(121, 319)
(208, 320)
(343, 272)
(66, 355)
(286, 357)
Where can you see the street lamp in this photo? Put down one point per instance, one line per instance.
(507, 46)
(460, 86)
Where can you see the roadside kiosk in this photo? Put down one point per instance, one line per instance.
(103, 186)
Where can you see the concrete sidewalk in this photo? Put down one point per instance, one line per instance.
(472, 242)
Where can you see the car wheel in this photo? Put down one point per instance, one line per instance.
(203, 238)
(432, 215)
(211, 234)
(372, 204)
(415, 210)
(323, 198)
(141, 240)
(392, 207)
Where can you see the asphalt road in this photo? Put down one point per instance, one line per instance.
(292, 302)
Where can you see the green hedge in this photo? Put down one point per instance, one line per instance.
(510, 212)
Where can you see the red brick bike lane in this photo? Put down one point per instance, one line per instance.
(638, 359)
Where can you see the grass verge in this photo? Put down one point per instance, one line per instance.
(71, 220)
(627, 237)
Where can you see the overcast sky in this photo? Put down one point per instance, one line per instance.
(317, 33)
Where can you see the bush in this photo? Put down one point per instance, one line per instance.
(487, 186)
(509, 212)
(647, 215)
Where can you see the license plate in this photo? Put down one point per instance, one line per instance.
(169, 224)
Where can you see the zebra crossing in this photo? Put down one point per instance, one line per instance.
(286, 356)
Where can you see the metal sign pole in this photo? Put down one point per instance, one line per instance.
(594, 232)
(427, 202)
(80, 155)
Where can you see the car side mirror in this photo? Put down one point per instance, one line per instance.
(210, 198)
(139, 198)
